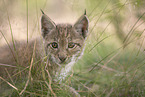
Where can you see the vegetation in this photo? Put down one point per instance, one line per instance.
(113, 64)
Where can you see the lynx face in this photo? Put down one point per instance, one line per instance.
(63, 42)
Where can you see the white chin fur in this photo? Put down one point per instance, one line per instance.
(64, 72)
(60, 76)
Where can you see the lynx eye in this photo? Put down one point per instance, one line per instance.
(54, 45)
(71, 45)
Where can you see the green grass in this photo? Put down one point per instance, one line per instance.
(110, 67)
(122, 76)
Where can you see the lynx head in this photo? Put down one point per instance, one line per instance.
(63, 41)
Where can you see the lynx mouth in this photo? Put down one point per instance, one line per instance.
(67, 61)
(61, 62)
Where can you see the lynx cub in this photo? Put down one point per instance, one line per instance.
(62, 45)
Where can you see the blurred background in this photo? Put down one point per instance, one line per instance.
(120, 17)
(22, 16)
(113, 63)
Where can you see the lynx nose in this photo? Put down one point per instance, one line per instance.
(62, 58)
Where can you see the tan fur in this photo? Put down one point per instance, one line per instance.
(60, 44)
(17, 58)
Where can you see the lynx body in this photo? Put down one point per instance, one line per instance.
(61, 45)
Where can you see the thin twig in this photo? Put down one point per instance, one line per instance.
(27, 18)
(9, 76)
(108, 95)
(50, 82)
(7, 65)
(28, 78)
(86, 88)
(131, 30)
(29, 75)
(9, 84)
(72, 90)
(8, 45)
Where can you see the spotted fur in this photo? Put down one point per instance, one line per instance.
(62, 45)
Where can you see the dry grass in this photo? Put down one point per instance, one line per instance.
(110, 67)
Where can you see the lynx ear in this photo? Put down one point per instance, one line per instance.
(81, 26)
(46, 25)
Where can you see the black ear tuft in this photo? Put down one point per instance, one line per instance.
(47, 25)
(85, 12)
(42, 11)
(81, 26)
